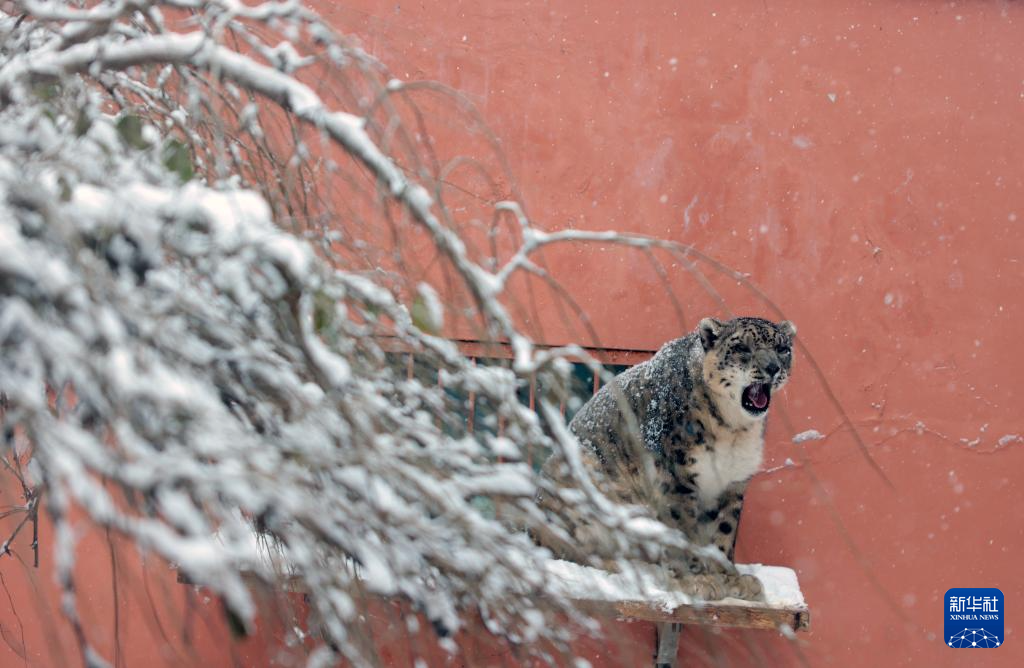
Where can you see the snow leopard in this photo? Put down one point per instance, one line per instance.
(696, 411)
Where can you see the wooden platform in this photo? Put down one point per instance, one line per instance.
(648, 595)
(708, 614)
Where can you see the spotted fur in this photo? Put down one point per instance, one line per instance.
(694, 410)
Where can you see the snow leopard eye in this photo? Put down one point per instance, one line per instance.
(742, 349)
(783, 350)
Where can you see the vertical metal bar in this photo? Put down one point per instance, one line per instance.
(668, 644)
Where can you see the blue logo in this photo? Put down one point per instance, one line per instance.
(974, 618)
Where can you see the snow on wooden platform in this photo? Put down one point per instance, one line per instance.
(647, 594)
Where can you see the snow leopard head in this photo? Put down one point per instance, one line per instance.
(745, 361)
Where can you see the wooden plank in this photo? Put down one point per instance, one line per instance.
(502, 350)
(723, 615)
(649, 594)
(778, 612)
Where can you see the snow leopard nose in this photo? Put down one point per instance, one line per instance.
(768, 363)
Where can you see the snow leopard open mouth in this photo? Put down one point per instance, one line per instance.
(756, 398)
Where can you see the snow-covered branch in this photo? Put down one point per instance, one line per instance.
(218, 378)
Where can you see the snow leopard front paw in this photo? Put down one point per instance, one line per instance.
(743, 586)
(716, 586)
(687, 562)
(702, 587)
(709, 565)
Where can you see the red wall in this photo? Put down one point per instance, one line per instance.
(862, 163)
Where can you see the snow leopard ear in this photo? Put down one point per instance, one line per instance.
(709, 329)
(788, 328)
